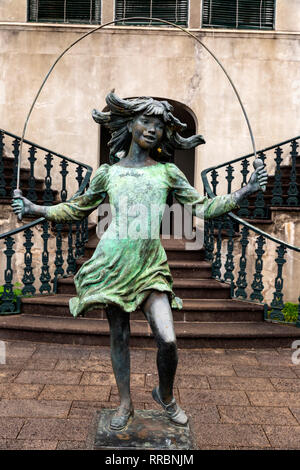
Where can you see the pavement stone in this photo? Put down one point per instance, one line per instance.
(202, 413)
(256, 415)
(100, 378)
(239, 383)
(229, 357)
(181, 381)
(13, 390)
(54, 428)
(291, 385)
(26, 444)
(207, 370)
(48, 377)
(71, 445)
(75, 392)
(139, 395)
(221, 397)
(19, 350)
(88, 412)
(229, 435)
(274, 398)
(41, 363)
(243, 399)
(88, 365)
(50, 351)
(265, 371)
(10, 427)
(272, 358)
(296, 370)
(296, 412)
(8, 375)
(283, 437)
(34, 408)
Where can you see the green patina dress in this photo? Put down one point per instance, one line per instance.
(129, 261)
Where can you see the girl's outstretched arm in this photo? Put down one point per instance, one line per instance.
(74, 210)
(204, 207)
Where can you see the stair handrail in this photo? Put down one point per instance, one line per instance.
(64, 262)
(249, 155)
(241, 221)
(213, 250)
(80, 190)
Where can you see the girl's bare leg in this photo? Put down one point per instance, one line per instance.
(120, 357)
(159, 315)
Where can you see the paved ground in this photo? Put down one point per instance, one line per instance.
(236, 399)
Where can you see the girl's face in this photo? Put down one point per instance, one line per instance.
(146, 131)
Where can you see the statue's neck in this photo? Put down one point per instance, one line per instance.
(137, 154)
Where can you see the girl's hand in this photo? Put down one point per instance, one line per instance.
(259, 178)
(21, 205)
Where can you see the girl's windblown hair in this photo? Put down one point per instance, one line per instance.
(122, 111)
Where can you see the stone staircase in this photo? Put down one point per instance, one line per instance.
(8, 173)
(209, 318)
(268, 195)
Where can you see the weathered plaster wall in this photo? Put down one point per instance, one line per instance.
(13, 10)
(264, 67)
(287, 16)
(147, 61)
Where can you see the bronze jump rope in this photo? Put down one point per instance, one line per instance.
(257, 162)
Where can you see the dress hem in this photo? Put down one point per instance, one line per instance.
(74, 303)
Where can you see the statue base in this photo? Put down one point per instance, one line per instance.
(147, 430)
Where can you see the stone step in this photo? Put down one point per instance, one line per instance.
(195, 310)
(255, 221)
(39, 183)
(176, 250)
(260, 221)
(189, 335)
(181, 269)
(267, 198)
(184, 288)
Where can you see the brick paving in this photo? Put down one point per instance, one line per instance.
(236, 399)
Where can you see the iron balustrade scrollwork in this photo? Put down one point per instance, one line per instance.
(36, 266)
(243, 263)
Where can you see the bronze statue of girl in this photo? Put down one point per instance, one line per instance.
(127, 272)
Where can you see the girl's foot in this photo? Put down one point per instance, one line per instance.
(121, 418)
(173, 411)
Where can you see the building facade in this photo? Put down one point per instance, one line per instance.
(152, 60)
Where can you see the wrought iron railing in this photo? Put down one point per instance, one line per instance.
(38, 266)
(283, 187)
(253, 262)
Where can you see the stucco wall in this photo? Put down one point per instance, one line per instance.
(287, 15)
(13, 10)
(264, 67)
(151, 61)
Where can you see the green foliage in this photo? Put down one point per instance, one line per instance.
(17, 291)
(290, 312)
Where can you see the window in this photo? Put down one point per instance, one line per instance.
(175, 11)
(65, 11)
(238, 14)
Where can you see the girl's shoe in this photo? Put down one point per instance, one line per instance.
(173, 411)
(118, 423)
